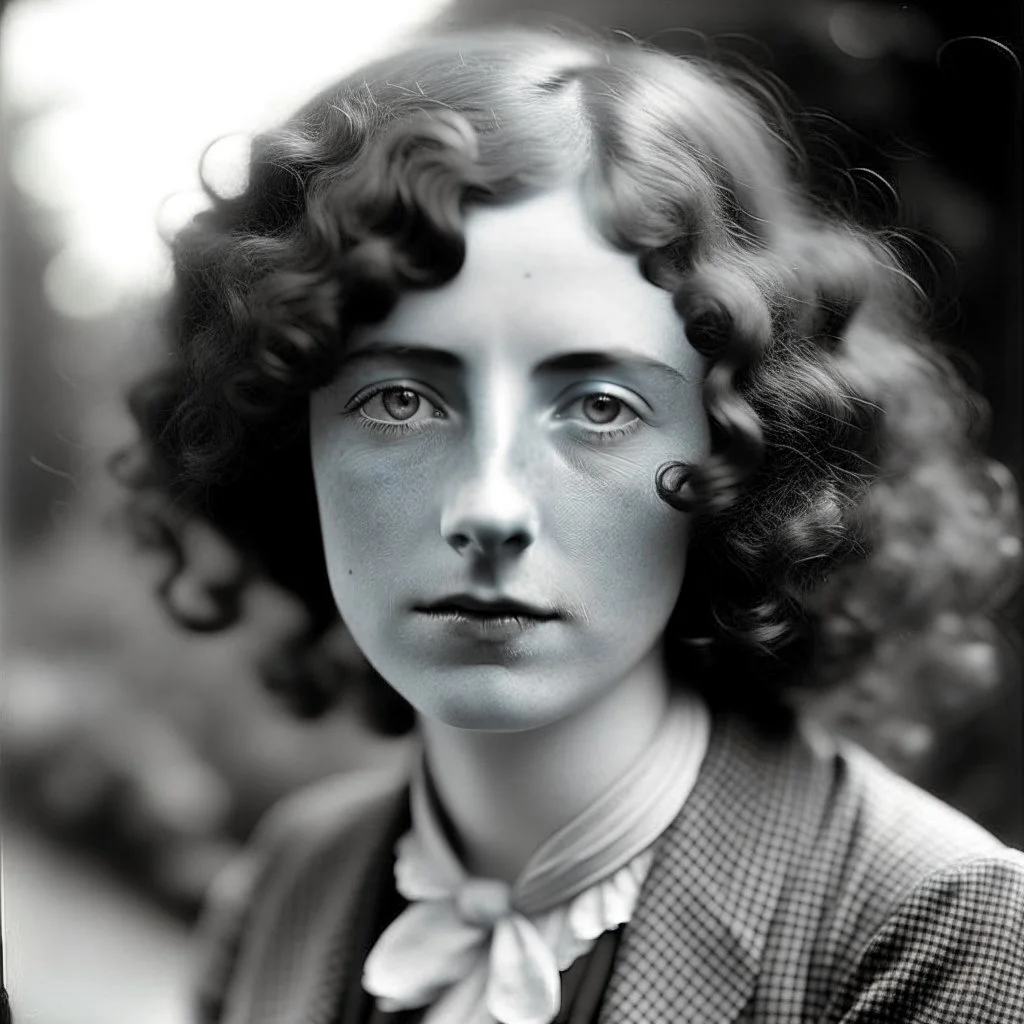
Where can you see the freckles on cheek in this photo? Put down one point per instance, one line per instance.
(344, 497)
(374, 499)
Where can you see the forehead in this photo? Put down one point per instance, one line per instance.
(539, 280)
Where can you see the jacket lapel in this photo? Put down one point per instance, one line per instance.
(693, 947)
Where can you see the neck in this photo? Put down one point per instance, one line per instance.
(505, 793)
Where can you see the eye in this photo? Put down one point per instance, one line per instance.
(601, 413)
(602, 408)
(395, 405)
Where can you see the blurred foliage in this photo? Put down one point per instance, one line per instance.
(34, 414)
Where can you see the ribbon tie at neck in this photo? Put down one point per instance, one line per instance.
(479, 950)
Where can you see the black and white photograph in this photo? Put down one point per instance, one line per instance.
(511, 513)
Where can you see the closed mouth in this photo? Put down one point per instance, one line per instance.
(473, 607)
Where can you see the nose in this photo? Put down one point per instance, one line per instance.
(490, 515)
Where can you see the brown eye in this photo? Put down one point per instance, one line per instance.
(601, 408)
(400, 403)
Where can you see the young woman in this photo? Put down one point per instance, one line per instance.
(527, 354)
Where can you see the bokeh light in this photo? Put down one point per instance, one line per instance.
(115, 102)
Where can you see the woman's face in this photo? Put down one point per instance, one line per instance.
(485, 468)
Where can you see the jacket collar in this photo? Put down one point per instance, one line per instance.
(693, 947)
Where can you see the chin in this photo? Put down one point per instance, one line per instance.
(483, 708)
(489, 717)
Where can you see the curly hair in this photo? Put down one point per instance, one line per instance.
(846, 504)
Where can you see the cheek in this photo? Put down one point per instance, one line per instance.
(372, 508)
(652, 540)
(628, 546)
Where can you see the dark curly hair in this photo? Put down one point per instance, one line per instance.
(846, 509)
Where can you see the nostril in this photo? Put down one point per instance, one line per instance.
(490, 542)
(459, 541)
(519, 541)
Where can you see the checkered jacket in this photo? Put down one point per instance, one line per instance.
(802, 882)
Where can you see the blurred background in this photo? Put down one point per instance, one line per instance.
(136, 758)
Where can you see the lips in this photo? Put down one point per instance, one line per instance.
(498, 607)
(493, 622)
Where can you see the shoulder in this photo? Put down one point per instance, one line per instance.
(896, 831)
(810, 807)
(829, 802)
(951, 949)
(898, 812)
(878, 836)
(312, 841)
(921, 909)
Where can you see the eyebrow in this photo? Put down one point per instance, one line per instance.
(567, 362)
(613, 359)
(419, 353)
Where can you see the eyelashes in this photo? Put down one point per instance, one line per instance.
(394, 409)
(399, 409)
